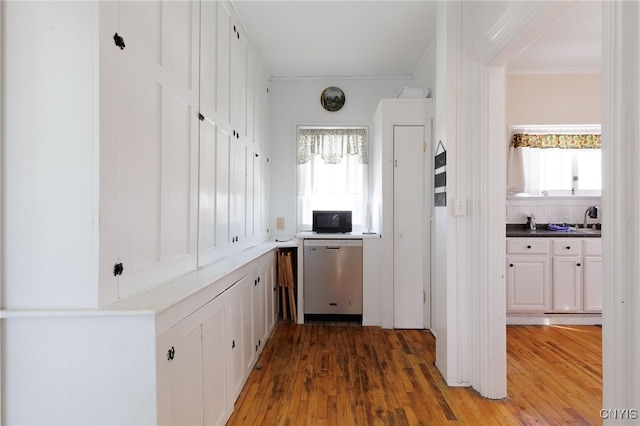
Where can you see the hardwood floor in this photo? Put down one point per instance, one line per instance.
(351, 375)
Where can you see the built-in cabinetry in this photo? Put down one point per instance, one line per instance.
(183, 158)
(401, 196)
(138, 281)
(205, 359)
(554, 275)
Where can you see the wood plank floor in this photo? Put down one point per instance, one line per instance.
(351, 375)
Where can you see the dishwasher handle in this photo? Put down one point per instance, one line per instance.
(333, 247)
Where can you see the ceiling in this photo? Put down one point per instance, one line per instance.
(378, 39)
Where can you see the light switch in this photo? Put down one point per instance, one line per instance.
(459, 206)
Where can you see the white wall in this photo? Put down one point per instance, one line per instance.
(297, 102)
(50, 143)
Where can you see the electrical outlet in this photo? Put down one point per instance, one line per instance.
(280, 223)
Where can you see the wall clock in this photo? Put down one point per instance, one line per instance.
(332, 98)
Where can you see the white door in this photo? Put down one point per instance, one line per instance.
(410, 233)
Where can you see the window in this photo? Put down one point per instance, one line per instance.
(332, 172)
(555, 163)
(557, 171)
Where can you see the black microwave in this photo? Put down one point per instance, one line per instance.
(325, 221)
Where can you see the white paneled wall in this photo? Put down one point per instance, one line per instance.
(551, 209)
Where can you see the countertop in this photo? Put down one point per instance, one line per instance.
(517, 230)
(335, 236)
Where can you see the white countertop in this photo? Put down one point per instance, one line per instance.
(337, 235)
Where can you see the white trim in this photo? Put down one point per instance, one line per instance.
(621, 243)
(569, 129)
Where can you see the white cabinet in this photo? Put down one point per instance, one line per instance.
(240, 50)
(193, 367)
(215, 58)
(592, 277)
(232, 215)
(567, 275)
(242, 324)
(266, 298)
(573, 283)
(271, 289)
(149, 95)
(528, 275)
(400, 164)
(204, 361)
(179, 361)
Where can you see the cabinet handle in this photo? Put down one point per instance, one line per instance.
(171, 353)
(233, 344)
(119, 41)
(511, 265)
(258, 279)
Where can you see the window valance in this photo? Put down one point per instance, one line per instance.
(332, 144)
(564, 141)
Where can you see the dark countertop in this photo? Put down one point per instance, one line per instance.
(517, 230)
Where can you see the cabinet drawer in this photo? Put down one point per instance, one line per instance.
(567, 247)
(527, 246)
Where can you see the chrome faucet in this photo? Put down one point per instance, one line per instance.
(592, 211)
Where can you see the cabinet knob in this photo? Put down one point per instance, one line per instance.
(528, 247)
(171, 353)
(568, 247)
(511, 265)
(577, 264)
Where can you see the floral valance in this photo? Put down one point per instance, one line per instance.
(565, 141)
(332, 144)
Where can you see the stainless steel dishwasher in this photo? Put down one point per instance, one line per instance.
(333, 279)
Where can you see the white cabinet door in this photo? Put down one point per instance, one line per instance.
(179, 372)
(409, 230)
(567, 283)
(148, 143)
(528, 283)
(243, 350)
(215, 229)
(260, 308)
(238, 191)
(216, 362)
(239, 52)
(261, 117)
(215, 62)
(271, 288)
(592, 281)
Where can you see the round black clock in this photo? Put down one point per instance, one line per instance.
(332, 98)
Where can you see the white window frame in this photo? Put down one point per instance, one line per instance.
(359, 220)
